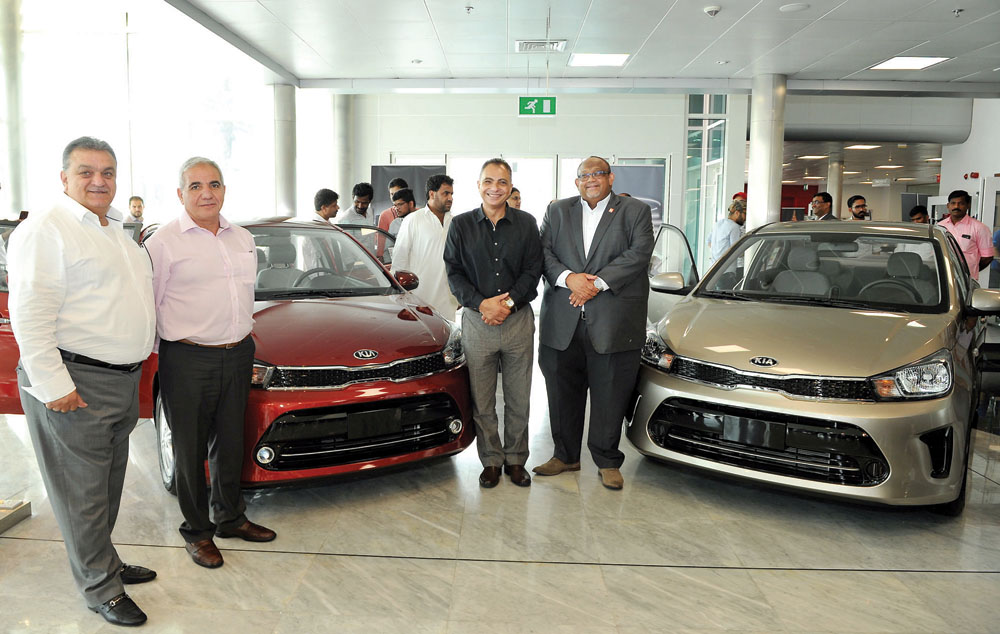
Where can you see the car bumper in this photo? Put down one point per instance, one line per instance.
(901, 453)
(318, 434)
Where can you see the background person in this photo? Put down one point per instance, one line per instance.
(359, 213)
(728, 230)
(81, 308)
(204, 270)
(973, 237)
(325, 204)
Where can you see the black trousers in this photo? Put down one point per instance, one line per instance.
(568, 375)
(205, 394)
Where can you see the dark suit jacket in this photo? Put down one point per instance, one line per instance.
(829, 216)
(619, 255)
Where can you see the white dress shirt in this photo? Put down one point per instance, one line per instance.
(352, 217)
(725, 234)
(591, 218)
(319, 218)
(77, 286)
(420, 249)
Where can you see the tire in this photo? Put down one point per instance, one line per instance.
(164, 447)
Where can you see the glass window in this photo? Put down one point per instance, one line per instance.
(718, 104)
(465, 171)
(696, 104)
(567, 175)
(535, 179)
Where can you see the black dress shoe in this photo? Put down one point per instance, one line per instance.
(518, 474)
(136, 574)
(490, 477)
(121, 610)
(250, 532)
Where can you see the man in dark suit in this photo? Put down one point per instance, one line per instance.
(596, 247)
(822, 205)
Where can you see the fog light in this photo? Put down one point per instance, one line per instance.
(265, 455)
(455, 426)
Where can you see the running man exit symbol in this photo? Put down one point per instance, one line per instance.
(536, 106)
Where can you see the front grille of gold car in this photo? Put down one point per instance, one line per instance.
(333, 377)
(804, 387)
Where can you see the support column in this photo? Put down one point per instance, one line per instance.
(343, 144)
(284, 150)
(835, 184)
(767, 136)
(15, 183)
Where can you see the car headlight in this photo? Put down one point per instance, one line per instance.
(656, 353)
(928, 378)
(260, 376)
(453, 352)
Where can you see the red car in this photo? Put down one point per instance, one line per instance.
(353, 372)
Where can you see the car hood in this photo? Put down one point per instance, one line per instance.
(328, 331)
(806, 340)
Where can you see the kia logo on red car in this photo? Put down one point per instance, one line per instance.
(764, 362)
(365, 355)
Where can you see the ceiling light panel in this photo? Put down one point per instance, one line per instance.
(909, 63)
(598, 59)
(860, 146)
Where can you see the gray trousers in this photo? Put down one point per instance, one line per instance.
(511, 344)
(82, 456)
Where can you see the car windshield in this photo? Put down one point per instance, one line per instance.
(302, 261)
(841, 270)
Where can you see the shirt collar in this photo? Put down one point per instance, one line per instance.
(480, 215)
(320, 218)
(187, 222)
(599, 207)
(85, 215)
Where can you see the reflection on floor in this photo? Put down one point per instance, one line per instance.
(426, 550)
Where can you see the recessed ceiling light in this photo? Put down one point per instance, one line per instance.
(722, 62)
(794, 7)
(785, 164)
(598, 59)
(909, 63)
(890, 166)
(814, 178)
(810, 157)
(861, 147)
(905, 178)
(787, 181)
(866, 182)
(416, 61)
(852, 173)
(933, 160)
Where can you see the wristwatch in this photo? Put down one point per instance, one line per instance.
(509, 303)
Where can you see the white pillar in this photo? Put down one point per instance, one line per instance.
(835, 185)
(284, 150)
(15, 184)
(767, 136)
(343, 146)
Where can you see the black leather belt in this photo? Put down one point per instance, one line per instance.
(73, 357)
(225, 346)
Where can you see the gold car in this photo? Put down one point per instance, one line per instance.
(840, 358)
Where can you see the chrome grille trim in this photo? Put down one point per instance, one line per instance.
(288, 378)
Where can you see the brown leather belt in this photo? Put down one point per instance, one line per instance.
(227, 346)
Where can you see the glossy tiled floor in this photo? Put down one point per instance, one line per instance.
(426, 550)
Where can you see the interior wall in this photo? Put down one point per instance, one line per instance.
(605, 125)
(979, 153)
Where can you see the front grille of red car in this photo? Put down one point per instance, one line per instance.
(331, 436)
(332, 377)
(824, 388)
(783, 444)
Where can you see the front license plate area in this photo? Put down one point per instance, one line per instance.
(375, 423)
(753, 432)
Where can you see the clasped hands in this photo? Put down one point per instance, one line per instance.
(581, 288)
(493, 310)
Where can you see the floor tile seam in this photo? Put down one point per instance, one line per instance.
(548, 562)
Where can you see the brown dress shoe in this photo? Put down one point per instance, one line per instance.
(204, 553)
(611, 478)
(518, 474)
(490, 477)
(555, 466)
(249, 532)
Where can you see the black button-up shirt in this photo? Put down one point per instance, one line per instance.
(485, 261)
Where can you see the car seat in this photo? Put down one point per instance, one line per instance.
(802, 276)
(280, 271)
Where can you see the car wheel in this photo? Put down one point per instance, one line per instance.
(956, 506)
(165, 447)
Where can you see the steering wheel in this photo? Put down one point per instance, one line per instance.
(894, 284)
(311, 272)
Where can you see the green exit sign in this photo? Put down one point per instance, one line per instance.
(536, 106)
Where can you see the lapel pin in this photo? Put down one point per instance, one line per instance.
(611, 210)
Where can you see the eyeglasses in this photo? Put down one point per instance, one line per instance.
(860, 207)
(589, 175)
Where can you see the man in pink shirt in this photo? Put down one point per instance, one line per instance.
(975, 238)
(204, 269)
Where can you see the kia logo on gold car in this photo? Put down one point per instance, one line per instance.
(764, 362)
(365, 355)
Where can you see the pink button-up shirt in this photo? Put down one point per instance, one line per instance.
(975, 239)
(203, 283)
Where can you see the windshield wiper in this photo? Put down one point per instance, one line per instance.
(814, 301)
(322, 292)
(727, 295)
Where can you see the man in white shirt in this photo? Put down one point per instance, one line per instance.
(81, 308)
(359, 213)
(420, 246)
(325, 204)
(728, 230)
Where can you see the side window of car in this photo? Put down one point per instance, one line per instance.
(959, 268)
(672, 254)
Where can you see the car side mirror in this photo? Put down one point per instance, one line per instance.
(667, 282)
(407, 280)
(985, 301)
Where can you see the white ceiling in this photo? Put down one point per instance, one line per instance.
(312, 41)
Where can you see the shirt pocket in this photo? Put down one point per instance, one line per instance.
(245, 267)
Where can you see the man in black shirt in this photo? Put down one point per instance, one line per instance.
(493, 257)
